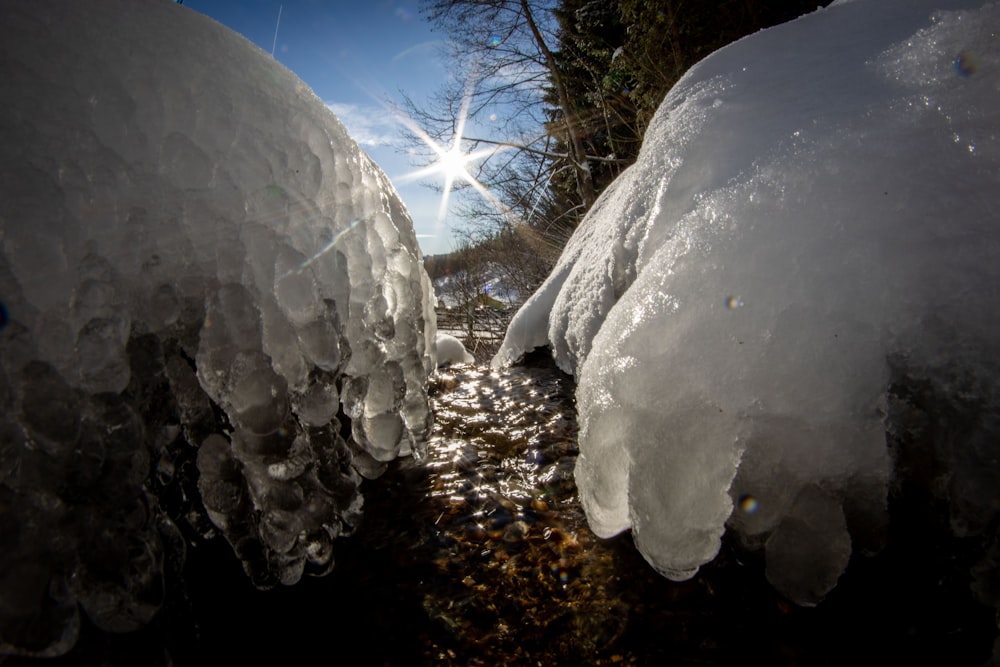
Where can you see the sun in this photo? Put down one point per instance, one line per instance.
(453, 165)
(453, 162)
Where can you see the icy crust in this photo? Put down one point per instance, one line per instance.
(811, 225)
(193, 253)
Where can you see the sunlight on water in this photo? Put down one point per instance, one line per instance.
(517, 570)
(505, 464)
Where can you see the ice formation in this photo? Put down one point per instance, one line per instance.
(450, 350)
(194, 257)
(805, 252)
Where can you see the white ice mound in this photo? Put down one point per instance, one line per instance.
(182, 219)
(450, 350)
(812, 220)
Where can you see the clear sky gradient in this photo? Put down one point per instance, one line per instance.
(355, 54)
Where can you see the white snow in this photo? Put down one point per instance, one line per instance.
(813, 217)
(450, 350)
(164, 180)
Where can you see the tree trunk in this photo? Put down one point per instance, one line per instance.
(581, 167)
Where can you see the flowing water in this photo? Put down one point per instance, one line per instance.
(480, 554)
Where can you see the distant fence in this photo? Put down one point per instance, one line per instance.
(481, 330)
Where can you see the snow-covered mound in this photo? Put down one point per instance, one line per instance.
(450, 350)
(193, 253)
(808, 241)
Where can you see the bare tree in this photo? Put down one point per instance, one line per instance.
(508, 94)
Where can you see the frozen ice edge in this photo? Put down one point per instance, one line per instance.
(199, 267)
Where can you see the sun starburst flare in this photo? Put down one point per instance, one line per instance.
(452, 162)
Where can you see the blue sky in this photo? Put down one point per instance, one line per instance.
(354, 55)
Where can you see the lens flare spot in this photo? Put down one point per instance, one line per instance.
(748, 504)
(560, 573)
(495, 40)
(965, 64)
(165, 469)
(733, 302)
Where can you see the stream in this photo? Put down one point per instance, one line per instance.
(480, 554)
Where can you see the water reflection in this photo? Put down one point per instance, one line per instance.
(520, 578)
(513, 575)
